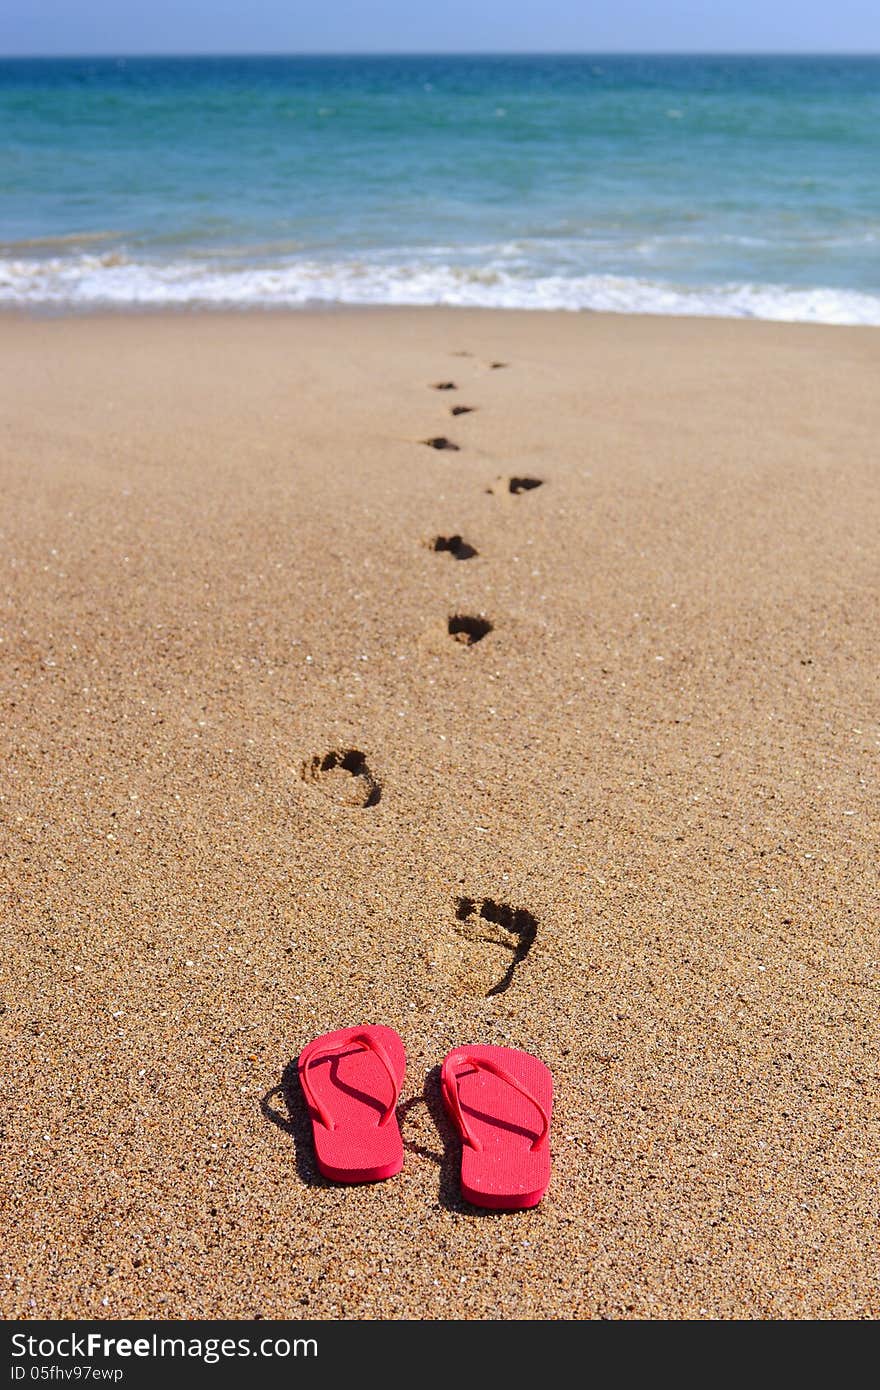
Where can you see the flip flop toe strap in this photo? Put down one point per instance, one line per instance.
(484, 1064)
(368, 1044)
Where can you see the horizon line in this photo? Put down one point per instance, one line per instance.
(458, 53)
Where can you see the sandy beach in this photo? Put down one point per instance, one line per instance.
(255, 789)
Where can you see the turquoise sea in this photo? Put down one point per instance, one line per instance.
(746, 186)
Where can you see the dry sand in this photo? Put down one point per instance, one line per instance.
(216, 569)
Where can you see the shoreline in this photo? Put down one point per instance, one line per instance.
(237, 313)
(109, 310)
(219, 540)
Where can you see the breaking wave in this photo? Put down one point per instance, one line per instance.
(114, 280)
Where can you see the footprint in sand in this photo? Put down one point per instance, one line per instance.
(467, 630)
(343, 776)
(462, 410)
(494, 366)
(515, 485)
(495, 933)
(444, 386)
(458, 548)
(439, 441)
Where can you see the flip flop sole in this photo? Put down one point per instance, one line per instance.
(349, 1093)
(505, 1163)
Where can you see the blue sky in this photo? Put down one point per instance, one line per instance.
(347, 26)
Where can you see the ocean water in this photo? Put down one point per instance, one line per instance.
(682, 185)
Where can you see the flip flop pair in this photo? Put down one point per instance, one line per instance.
(499, 1099)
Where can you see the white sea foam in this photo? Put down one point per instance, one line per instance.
(114, 280)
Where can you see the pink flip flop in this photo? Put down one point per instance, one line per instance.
(351, 1080)
(501, 1101)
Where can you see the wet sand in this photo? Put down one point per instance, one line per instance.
(255, 789)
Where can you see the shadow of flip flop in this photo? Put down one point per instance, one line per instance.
(296, 1123)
